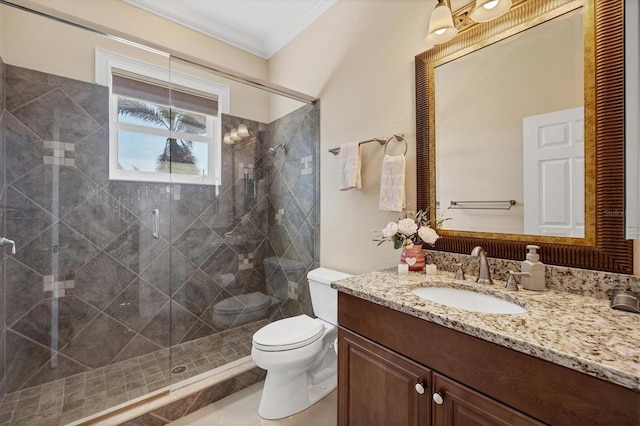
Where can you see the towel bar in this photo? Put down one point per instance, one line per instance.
(483, 205)
(381, 141)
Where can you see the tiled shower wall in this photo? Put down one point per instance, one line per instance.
(86, 254)
(2, 189)
(293, 210)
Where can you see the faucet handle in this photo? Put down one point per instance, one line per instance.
(512, 284)
(459, 272)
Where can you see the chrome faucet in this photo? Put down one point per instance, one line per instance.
(7, 242)
(484, 277)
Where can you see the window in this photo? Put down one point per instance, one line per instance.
(164, 127)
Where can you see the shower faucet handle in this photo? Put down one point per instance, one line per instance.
(7, 242)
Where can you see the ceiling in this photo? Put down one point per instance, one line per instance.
(261, 27)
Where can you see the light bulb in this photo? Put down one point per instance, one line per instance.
(490, 5)
(487, 10)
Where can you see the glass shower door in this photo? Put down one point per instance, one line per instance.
(87, 309)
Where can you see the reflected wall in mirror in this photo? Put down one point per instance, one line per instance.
(516, 133)
(440, 122)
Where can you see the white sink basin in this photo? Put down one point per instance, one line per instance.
(468, 300)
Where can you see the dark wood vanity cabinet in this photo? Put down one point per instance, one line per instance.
(381, 387)
(378, 386)
(383, 354)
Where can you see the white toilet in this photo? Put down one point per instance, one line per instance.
(299, 353)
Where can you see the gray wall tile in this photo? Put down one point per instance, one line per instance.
(213, 245)
(137, 304)
(2, 227)
(99, 342)
(72, 316)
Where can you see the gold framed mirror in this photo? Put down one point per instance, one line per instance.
(602, 245)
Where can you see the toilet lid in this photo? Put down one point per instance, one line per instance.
(246, 303)
(288, 333)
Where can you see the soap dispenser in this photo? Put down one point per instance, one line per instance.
(536, 278)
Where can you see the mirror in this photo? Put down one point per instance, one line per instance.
(515, 135)
(444, 92)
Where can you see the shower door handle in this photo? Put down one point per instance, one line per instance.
(156, 223)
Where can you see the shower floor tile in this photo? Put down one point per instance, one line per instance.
(75, 397)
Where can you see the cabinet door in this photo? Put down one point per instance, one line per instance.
(378, 387)
(456, 404)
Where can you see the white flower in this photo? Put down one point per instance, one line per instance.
(428, 235)
(407, 226)
(390, 230)
(407, 244)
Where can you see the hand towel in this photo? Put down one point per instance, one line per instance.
(350, 164)
(392, 190)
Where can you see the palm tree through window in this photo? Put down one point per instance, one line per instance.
(180, 154)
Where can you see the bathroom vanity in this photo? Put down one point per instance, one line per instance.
(405, 360)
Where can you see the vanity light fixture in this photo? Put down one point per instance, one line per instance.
(487, 10)
(243, 132)
(227, 139)
(236, 134)
(441, 28)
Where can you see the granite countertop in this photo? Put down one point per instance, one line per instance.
(578, 332)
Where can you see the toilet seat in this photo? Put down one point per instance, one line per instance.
(287, 334)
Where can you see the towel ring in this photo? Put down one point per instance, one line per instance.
(399, 138)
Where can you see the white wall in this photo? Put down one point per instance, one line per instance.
(116, 17)
(49, 46)
(358, 58)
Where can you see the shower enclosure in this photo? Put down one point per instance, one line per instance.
(154, 231)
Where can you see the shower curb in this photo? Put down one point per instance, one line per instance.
(184, 398)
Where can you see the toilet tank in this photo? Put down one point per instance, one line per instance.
(323, 298)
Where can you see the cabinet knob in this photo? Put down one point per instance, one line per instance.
(420, 388)
(438, 398)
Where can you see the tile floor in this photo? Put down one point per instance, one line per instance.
(241, 409)
(75, 397)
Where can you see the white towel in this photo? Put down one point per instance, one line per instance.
(392, 190)
(350, 164)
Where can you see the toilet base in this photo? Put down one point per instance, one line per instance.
(283, 396)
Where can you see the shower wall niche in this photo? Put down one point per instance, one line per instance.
(91, 293)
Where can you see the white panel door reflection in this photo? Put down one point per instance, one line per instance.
(553, 162)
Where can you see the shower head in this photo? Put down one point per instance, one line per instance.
(274, 150)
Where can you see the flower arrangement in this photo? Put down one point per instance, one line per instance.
(413, 228)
